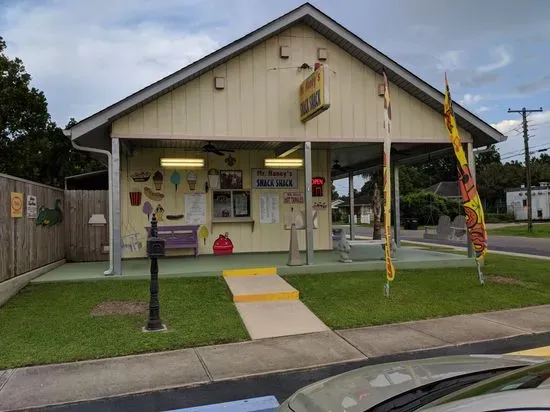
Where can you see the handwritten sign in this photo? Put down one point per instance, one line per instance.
(314, 94)
(269, 208)
(274, 179)
(293, 197)
(195, 208)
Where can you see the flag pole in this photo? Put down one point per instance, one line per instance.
(390, 270)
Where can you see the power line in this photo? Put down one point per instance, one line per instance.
(524, 113)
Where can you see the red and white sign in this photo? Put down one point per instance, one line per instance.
(293, 197)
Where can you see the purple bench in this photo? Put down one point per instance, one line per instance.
(178, 237)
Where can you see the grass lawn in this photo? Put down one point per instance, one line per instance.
(539, 230)
(355, 299)
(48, 323)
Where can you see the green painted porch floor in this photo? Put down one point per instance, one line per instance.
(210, 265)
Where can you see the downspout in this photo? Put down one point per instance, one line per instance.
(108, 154)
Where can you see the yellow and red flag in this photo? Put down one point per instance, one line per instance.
(475, 219)
(390, 270)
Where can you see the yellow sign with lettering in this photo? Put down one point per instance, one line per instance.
(314, 94)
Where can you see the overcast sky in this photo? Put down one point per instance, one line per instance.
(87, 54)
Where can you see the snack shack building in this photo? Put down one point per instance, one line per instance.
(248, 139)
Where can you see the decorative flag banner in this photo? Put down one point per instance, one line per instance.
(390, 270)
(475, 220)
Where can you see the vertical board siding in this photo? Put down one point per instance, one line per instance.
(23, 245)
(260, 100)
(84, 242)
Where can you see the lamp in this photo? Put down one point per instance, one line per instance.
(181, 162)
(97, 220)
(278, 162)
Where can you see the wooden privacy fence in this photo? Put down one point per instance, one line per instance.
(84, 242)
(24, 246)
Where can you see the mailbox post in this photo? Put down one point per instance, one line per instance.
(155, 249)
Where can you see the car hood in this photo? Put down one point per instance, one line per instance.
(366, 387)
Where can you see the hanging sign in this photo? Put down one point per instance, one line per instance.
(16, 204)
(314, 94)
(274, 179)
(317, 186)
(32, 208)
(293, 197)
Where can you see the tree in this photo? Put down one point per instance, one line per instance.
(31, 145)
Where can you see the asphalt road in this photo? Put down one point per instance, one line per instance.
(516, 244)
(280, 385)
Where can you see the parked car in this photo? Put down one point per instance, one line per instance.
(455, 383)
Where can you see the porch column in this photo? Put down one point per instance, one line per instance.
(351, 207)
(472, 166)
(396, 207)
(115, 188)
(308, 203)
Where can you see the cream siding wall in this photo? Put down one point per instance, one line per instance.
(264, 237)
(260, 101)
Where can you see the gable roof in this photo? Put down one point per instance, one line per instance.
(482, 132)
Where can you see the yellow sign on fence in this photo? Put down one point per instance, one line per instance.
(314, 94)
(16, 204)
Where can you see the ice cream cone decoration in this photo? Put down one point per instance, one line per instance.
(191, 180)
(157, 180)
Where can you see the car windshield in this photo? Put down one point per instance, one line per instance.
(423, 395)
(526, 378)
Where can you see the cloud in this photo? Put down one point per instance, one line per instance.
(483, 109)
(450, 60)
(539, 85)
(502, 59)
(470, 99)
(84, 59)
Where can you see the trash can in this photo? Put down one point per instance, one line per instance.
(413, 223)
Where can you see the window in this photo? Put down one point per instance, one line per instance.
(524, 202)
(229, 204)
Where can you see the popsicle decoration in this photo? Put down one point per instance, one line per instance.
(147, 209)
(175, 178)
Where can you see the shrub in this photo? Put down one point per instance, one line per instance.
(427, 207)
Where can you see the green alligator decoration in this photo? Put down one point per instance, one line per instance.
(50, 217)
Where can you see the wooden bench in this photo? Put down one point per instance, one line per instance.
(178, 237)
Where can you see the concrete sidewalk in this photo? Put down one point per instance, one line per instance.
(39, 386)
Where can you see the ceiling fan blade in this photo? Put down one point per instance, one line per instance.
(219, 153)
(228, 150)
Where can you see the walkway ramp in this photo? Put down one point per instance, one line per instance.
(268, 305)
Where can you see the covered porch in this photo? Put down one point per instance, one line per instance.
(211, 265)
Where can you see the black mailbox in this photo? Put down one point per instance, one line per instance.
(155, 245)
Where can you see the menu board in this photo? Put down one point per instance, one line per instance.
(269, 208)
(195, 208)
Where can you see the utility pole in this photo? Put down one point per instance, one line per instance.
(524, 113)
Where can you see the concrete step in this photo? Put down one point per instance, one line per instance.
(278, 318)
(250, 271)
(260, 288)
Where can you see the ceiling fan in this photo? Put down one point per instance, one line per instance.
(210, 148)
(337, 167)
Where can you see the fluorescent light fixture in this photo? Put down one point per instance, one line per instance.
(283, 162)
(97, 220)
(181, 162)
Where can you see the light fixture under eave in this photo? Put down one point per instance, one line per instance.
(181, 162)
(278, 162)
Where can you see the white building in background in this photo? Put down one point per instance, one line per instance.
(516, 201)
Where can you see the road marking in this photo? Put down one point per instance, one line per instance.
(542, 351)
